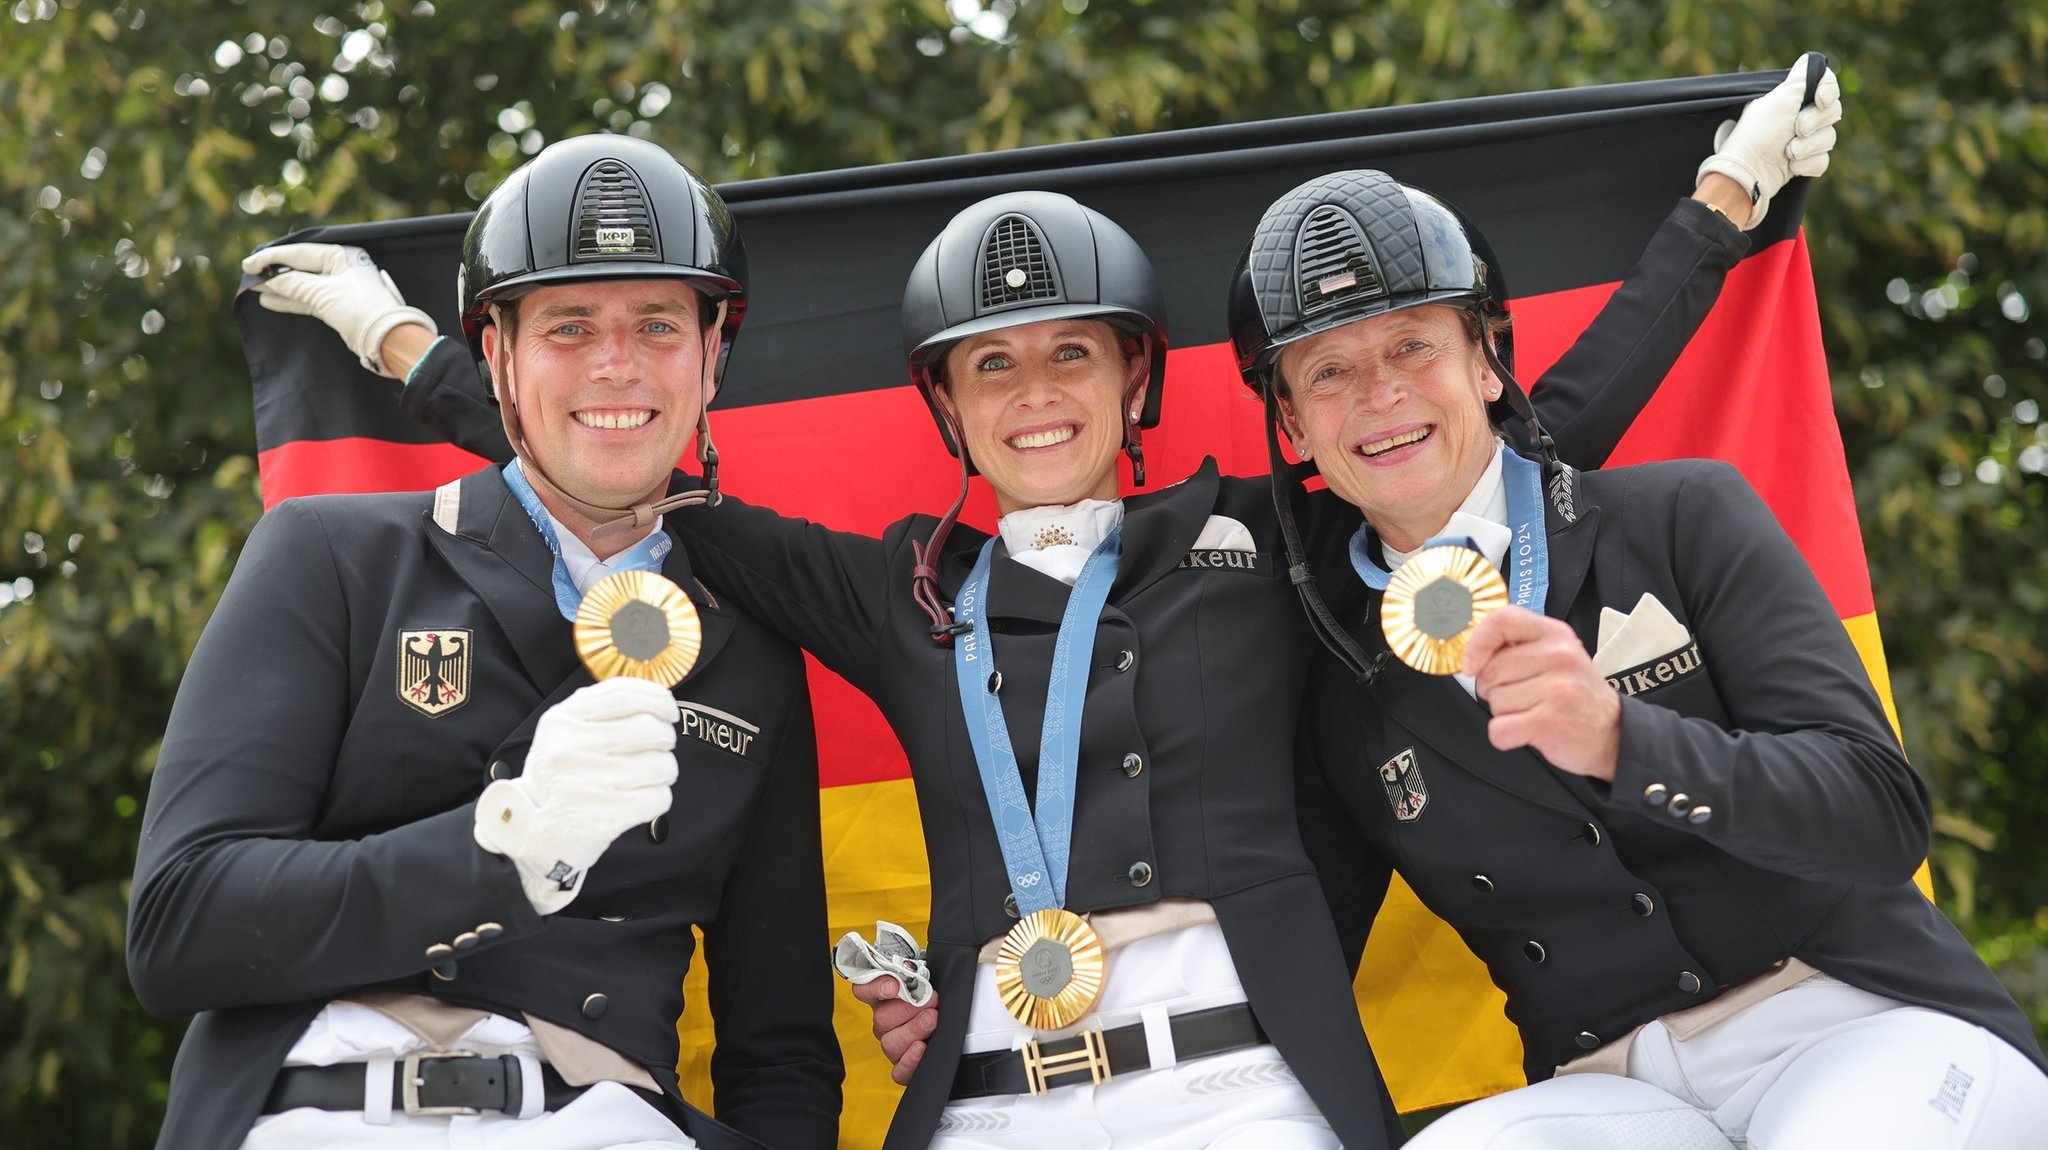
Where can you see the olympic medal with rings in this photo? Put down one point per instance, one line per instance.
(640, 625)
(1049, 969)
(1434, 602)
(1050, 966)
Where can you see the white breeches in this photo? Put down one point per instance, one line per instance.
(1243, 1100)
(606, 1116)
(1819, 1066)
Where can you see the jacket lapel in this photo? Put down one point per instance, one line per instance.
(1571, 549)
(1014, 590)
(487, 538)
(1161, 528)
(712, 616)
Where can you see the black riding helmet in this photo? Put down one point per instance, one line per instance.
(1025, 257)
(600, 207)
(1350, 246)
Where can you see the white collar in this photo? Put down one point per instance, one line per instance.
(584, 567)
(1057, 541)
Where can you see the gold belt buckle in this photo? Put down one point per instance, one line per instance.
(1038, 1066)
(409, 1085)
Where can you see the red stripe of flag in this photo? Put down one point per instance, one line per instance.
(1749, 389)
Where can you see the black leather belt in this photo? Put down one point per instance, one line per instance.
(455, 1082)
(1099, 1055)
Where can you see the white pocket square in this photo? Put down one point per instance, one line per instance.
(1646, 633)
(1222, 533)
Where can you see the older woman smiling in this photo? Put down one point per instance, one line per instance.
(1697, 894)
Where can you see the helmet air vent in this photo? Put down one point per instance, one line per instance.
(1014, 267)
(1333, 262)
(613, 218)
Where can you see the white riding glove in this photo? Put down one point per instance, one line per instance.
(1777, 138)
(893, 953)
(342, 288)
(602, 763)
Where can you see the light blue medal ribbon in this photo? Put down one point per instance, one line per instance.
(1035, 846)
(1528, 551)
(645, 555)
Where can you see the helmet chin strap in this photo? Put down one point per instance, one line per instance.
(638, 516)
(1515, 401)
(924, 557)
(1286, 479)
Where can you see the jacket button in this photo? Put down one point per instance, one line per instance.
(1534, 952)
(439, 951)
(1132, 764)
(1482, 884)
(443, 970)
(595, 1006)
(499, 770)
(1645, 906)
(489, 930)
(1679, 804)
(658, 829)
(1586, 1040)
(1700, 814)
(1653, 795)
(467, 939)
(995, 682)
(1689, 982)
(611, 918)
(1141, 873)
(1125, 660)
(1010, 905)
(1591, 834)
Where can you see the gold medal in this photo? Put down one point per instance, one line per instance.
(1049, 969)
(640, 625)
(1434, 601)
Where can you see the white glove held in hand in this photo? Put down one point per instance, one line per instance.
(893, 953)
(342, 288)
(1777, 139)
(602, 763)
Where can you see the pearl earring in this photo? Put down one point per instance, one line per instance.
(1134, 415)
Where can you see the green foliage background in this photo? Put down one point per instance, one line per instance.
(145, 146)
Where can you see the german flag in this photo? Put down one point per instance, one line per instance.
(816, 417)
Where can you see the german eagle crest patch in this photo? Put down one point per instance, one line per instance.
(433, 669)
(1406, 791)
